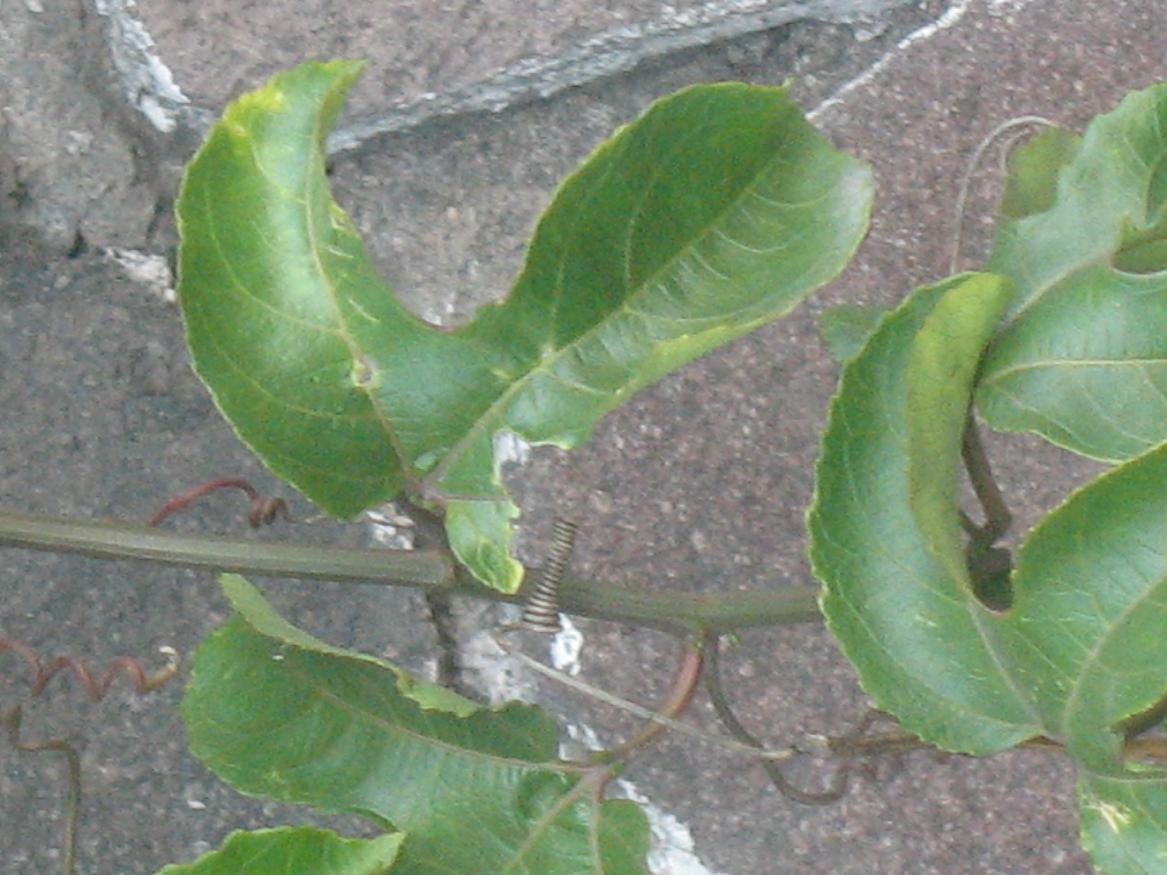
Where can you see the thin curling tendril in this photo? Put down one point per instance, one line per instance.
(264, 509)
(96, 685)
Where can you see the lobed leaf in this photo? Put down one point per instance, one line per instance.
(277, 713)
(895, 591)
(714, 213)
(304, 850)
(266, 259)
(1083, 358)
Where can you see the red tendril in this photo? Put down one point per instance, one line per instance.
(264, 510)
(96, 685)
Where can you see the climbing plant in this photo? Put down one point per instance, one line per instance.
(715, 212)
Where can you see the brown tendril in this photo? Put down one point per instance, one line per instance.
(41, 672)
(11, 718)
(264, 509)
(96, 684)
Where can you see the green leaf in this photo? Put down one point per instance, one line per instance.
(303, 850)
(1080, 655)
(1124, 823)
(941, 369)
(1083, 358)
(266, 257)
(278, 714)
(1090, 609)
(1034, 167)
(1086, 637)
(845, 328)
(896, 594)
(713, 214)
(249, 603)
(480, 534)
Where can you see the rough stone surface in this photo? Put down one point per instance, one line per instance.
(446, 209)
(71, 168)
(699, 483)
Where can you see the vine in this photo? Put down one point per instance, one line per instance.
(717, 211)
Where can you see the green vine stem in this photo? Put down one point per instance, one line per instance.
(429, 570)
(998, 517)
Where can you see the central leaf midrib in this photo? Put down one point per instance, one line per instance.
(356, 353)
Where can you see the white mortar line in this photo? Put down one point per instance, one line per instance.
(950, 17)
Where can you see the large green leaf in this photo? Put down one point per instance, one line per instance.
(279, 714)
(1079, 657)
(1083, 360)
(714, 213)
(303, 850)
(896, 592)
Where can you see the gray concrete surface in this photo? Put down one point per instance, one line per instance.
(699, 483)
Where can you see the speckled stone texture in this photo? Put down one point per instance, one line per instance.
(699, 483)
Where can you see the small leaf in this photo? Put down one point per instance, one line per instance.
(1034, 168)
(303, 850)
(896, 593)
(716, 212)
(845, 328)
(279, 714)
(1082, 360)
(480, 536)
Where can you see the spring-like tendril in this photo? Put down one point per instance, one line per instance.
(541, 609)
(264, 509)
(96, 684)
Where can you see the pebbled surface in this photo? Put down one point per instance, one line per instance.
(701, 483)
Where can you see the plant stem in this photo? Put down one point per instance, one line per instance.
(980, 474)
(677, 612)
(729, 720)
(679, 698)
(110, 539)
(11, 719)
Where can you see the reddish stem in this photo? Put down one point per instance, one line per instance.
(680, 695)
